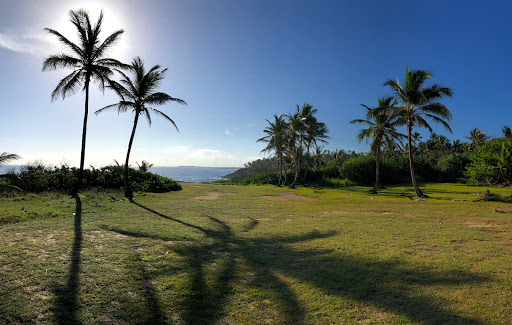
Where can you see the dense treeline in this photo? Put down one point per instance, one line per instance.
(483, 160)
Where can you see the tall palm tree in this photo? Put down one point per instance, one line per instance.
(139, 95)
(296, 136)
(275, 138)
(88, 63)
(417, 102)
(381, 123)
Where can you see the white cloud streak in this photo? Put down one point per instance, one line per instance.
(35, 44)
(228, 132)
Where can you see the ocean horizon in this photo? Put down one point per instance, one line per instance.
(189, 174)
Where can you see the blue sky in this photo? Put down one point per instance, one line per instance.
(237, 63)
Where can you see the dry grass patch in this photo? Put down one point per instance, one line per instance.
(285, 196)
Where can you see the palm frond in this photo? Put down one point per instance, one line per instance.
(422, 123)
(162, 98)
(436, 109)
(5, 157)
(440, 121)
(121, 107)
(69, 85)
(72, 46)
(161, 114)
(60, 60)
(107, 43)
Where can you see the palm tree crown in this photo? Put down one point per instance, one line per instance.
(85, 59)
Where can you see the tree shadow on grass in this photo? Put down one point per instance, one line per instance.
(391, 286)
(66, 304)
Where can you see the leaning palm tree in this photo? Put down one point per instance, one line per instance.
(381, 125)
(87, 62)
(139, 95)
(276, 141)
(415, 102)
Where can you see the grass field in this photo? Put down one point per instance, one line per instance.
(257, 255)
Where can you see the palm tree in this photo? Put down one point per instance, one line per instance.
(315, 131)
(295, 137)
(381, 123)
(457, 145)
(507, 132)
(144, 166)
(276, 141)
(319, 152)
(138, 95)
(477, 137)
(417, 102)
(4, 158)
(88, 64)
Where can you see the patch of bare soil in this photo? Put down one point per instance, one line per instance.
(287, 196)
(211, 196)
(479, 224)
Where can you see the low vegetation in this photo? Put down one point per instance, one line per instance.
(39, 178)
(258, 254)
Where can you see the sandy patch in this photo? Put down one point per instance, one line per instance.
(479, 224)
(284, 196)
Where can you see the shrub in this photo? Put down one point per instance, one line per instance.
(451, 168)
(479, 172)
(38, 178)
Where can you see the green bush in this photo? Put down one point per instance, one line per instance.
(451, 168)
(38, 178)
(479, 172)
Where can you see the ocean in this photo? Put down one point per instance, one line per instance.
(182, 174)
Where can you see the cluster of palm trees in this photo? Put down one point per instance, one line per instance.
(411, 104)
(137, 88)
(292, 137)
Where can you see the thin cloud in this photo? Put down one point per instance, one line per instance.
(35, 44)
(228, 132)
(10, 43)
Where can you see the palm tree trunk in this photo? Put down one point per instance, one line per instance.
(419, 193)
(78, 184)
(281, 169)
(127, 190)
(377, 172)
(297, 168)
(279, 177)
(285, 171)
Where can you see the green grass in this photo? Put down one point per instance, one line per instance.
(239, 255)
